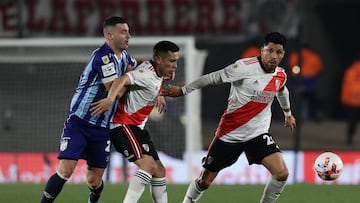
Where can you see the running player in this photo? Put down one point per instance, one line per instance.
(127, 128)
(85, 136)
(244, 126)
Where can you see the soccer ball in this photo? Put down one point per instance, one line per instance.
(328, 166)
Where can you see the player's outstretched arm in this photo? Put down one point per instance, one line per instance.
(172, 91)
(117, 90)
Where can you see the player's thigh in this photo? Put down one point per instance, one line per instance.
(260, 147)
(125, 140)
(133, 142)
(98, 147)
(221, 155)
(73, 140)
(276, 165)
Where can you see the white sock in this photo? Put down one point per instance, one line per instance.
(137, 186)
(193, 193)
(158, 190)
(272, 191)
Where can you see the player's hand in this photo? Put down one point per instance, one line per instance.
(160, 104)
(290, 122)
(101, 106)
(172, 91)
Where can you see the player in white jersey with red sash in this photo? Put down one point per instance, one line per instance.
(244, 126)
(143, 85)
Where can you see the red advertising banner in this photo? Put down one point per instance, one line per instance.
(33, 167)
(349, 175)
(38, 167)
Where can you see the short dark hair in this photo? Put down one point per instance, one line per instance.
(275, 37)
(113, 20)
(164, 47)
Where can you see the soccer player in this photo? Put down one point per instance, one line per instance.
(127, 132)
(85, 136)
(244, 126)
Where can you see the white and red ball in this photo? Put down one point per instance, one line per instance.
(328, 166)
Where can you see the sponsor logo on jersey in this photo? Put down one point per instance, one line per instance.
(108, 69)
(262, 96)
(105, 59)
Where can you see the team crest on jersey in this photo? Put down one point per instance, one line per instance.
(141, 71)
(105, 59)
(126, 153)
(146, 147)
(235, 66)
(64, 143)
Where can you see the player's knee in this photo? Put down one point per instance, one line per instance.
(93, 181)
(160, 170)
(66, 168)
(150, 167)
(65, 173)
(282, 175)
(94, 176)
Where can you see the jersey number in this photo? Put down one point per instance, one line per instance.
(269, 139)
(107, 148)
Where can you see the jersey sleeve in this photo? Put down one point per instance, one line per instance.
(233, 72)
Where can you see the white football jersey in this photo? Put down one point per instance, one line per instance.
(136, 105)
(248, 112)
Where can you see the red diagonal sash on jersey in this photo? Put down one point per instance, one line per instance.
(233, 120)
(122, 117)
(137, 118)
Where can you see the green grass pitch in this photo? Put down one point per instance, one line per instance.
(294, 193)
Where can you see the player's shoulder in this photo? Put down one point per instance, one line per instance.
(103, 55)
(145, 68)
(246, 64)
(280, 72)
(280, 69)
(146, 65)
(250, 61)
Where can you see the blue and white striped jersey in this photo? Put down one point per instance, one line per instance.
(103, 67)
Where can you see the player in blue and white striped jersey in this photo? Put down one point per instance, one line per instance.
(85, 136)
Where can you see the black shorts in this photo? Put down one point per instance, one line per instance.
(223, 154)
(133, 142)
